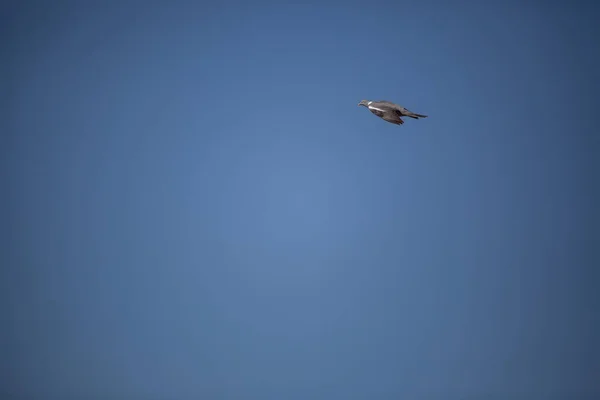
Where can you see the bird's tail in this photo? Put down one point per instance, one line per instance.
(417, 116)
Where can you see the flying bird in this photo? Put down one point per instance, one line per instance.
(389, 111)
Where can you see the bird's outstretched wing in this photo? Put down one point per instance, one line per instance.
(393, 118)
(391, 115)
(392, 106)
(377, 112)
(405, 112)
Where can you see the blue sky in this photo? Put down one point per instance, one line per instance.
(196, 208)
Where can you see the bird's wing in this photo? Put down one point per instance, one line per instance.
(377, 111)
(393, 118)
(393, 106)
(396, 109)
(402, 111)
(382, 103)
(382, 106)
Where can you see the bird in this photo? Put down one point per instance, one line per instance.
(389, 111)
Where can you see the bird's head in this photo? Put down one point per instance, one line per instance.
(364, 103)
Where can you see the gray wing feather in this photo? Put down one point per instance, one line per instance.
(392, 112)
(398, 108)
(390, 106)
(383, 105)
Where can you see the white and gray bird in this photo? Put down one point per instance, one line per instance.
(389, 111)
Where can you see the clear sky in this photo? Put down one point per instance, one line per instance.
(194, 206)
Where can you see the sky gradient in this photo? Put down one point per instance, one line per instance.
(194, 207)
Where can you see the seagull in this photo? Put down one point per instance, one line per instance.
(389, 111)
